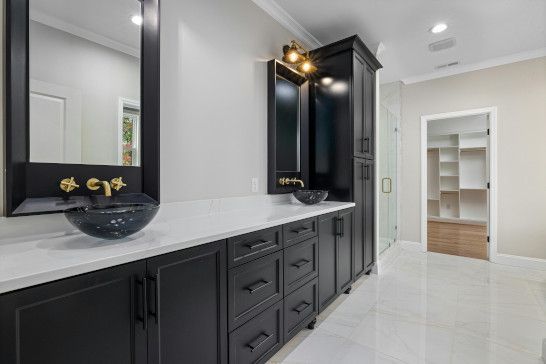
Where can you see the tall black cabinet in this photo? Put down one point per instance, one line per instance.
(342, 143)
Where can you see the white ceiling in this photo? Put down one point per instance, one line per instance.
(484, 30)
(104, 21)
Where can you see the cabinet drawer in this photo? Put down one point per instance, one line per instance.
(254, 286)
(260, 338)
(300, 264)
(297, 231)
(300, 308)
(247, 247)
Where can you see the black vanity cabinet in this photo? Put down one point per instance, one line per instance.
(234, 301)
(166, 309)
(187, 306)
(335, 255)
(342, 124)
(92, 318)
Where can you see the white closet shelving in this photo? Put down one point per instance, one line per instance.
(457, 177)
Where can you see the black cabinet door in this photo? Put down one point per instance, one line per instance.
(369, 117)
(369, 236)
(359, 190)
(359, 127)
(345, 250)
(92, 318)
(363, 108)
(187, 306)
(363, 216)
(327, 259)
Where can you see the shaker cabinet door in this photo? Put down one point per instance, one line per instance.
(327, 259)
(187, 306)
(92, 318)
(345, 250)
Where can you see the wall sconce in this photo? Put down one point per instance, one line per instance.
(296, 54)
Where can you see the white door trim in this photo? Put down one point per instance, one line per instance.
(492, 112)
(122, 103)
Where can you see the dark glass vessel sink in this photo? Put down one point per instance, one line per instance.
(310, 197)
(112, 221)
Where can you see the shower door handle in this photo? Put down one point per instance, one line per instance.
(383, 185)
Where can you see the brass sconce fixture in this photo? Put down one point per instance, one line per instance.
(296, 54)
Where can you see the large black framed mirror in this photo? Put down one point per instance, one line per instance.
(288, 129)
(82, 101)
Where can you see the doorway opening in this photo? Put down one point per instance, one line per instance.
(458, 183)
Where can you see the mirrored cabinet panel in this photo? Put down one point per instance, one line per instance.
(84, 81)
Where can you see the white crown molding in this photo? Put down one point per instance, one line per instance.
(280, 15)
(517, 57)
(56, 23)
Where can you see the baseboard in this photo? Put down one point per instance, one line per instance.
(519, 261)
(411, 245)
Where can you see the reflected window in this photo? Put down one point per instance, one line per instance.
(130, 125)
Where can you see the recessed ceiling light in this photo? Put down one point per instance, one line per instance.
(438, 28)
(137, 19)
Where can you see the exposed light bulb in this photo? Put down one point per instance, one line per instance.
(137, 19)
(306, 66)
(438, 28)
(292, 56)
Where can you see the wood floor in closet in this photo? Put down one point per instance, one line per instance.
(458, 239)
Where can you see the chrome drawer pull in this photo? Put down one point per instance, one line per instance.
(257, 286)
(301, 263)
(256, 343)
(302, 307)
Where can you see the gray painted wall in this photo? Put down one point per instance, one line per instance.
(518, 90)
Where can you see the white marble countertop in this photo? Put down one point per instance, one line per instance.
(40, 249)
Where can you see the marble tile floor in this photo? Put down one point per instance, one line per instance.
(431, 308)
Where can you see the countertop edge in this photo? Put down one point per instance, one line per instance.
(22, 282)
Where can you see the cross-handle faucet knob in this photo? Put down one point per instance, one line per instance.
(68, 184)
(117, 183)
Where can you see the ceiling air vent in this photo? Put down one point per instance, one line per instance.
(442, 44)
(451, 64)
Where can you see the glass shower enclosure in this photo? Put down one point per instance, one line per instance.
(388, 160)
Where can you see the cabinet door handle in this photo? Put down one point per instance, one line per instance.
(301, 263)
(257, 286)
(302, 231)
(302, 307)
(155, 313)
(367, 167)
(258, 244)
(259, 341)
(342, 231)
(366, 141)
(339, 227)
(144, 296)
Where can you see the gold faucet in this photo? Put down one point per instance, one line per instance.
(94, 184)
(286, 181)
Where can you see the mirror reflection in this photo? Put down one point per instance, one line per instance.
(84, 64)
(287, 104)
